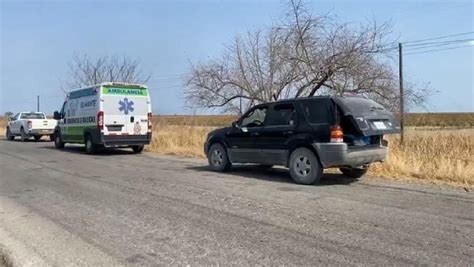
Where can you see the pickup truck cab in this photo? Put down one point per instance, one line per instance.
(30, 124)
(105, 115)
(306, 135)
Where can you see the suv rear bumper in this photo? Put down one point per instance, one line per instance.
(126, 140)
(339, 154)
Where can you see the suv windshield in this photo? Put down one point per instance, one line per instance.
(33, 116)
(255, 117)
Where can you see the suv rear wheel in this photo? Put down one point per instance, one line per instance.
(305, 167)
(138, 149)
(354, 172)
(217, 157)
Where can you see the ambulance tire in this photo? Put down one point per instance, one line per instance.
(58, 142)
(91, 148)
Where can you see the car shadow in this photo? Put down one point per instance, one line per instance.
(278, 175)
(27, 141)
(81, 150)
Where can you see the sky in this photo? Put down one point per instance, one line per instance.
(39, 38)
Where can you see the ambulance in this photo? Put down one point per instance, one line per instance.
(106, 115)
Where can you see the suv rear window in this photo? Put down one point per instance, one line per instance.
(361, 106)
(318, 110)
(282, 114)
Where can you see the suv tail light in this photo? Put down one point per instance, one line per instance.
(337, 136)
(150, 115)
(100, 120)
(30, 125)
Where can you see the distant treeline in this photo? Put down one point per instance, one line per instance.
(448, 119)
(458, 120)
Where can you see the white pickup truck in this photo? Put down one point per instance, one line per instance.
(30, 124)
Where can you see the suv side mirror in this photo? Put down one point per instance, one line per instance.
(56, 115)
(235, 124)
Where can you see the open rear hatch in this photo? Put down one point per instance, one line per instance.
(369, 117)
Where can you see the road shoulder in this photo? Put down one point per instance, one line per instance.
(26, 239)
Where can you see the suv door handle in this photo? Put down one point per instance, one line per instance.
(254, 134)
(288, 133)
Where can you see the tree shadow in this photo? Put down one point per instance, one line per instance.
(278, 175)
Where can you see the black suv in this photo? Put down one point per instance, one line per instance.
(306, 135)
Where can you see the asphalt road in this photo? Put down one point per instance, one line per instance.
(66, 207)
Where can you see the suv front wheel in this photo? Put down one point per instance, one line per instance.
(305, 167)
(217, 157)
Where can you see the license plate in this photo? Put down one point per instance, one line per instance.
(380, 125)
(44, 131)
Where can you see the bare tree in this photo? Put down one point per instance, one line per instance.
(255, 68)
(85, 71)
(304, 55)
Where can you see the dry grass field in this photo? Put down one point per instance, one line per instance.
(443, 120)
(434, 151)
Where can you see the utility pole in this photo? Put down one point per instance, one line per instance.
(37, 103)
(402, 95)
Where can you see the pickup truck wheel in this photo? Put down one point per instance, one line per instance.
(37, 137)
(9, 135)
(217, 157)
(305, 167)
(138, 149)
(354, 172)
(23, 135)
(58, 143)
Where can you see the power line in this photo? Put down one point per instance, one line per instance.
(435, 50)
(441, 42)
(439, 37)
(416, 46)
(171, 77)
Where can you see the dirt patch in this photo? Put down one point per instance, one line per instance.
(4, 261)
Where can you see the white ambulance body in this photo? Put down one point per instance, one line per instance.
(106, 115)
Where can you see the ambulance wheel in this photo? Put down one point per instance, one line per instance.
(58, 143)
(91, 148)
(138, 149)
